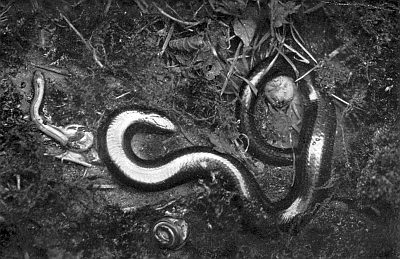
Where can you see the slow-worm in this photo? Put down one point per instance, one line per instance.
(312, 160)
(49, 130)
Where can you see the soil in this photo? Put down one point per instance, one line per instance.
(50, 208)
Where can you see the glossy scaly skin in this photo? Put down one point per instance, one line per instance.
(181, 166)
(258, 146)
(313, 163)
(314, 152)
(66, 136)
(312, 160)
(51, 131)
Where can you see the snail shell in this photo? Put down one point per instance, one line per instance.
(279, 92)
(171, 233)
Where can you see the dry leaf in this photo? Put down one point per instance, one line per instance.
(244, 29)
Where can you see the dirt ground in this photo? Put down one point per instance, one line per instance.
(187, 58)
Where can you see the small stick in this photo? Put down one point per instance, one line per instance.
(340, 99)
(147, 25)
(53, 70)
(87, 44)
(305, 74)
(293, 28)
(361, 5)
(160, 207)
(167, 40)
(240, 56)
(18, 181)
(314, 8)
(330, 56)
(7, 7)
(122, 95)
(228, 76)
(176, 19)
(303, 59)
(143, 6)
(340, 49)
(109, 2)
(67, 156)
(303, 48)
(198, 10)
(252, 86)
(289, 61)
(104, 186)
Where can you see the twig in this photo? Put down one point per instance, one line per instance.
(296, 71)
(68, 156)
(340, 49)
(122, 95)
(160, 207)
(173, 11)
(252, 86)
(143, 5)
(18, 181)
(340, 99)
(176, 19)
(147, 25)
(314, 8)
(228, 76)
(303, 59)
(361, 5)
(7, 7)
(107, 8)
(87, 44)
(240, 56)
(167, 40)
(301, 46)
(308, 72)
(53, 70)
(330, 56)
(198, 10)
(104, 186)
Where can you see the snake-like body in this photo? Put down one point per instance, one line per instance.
(65, 136)
(312, 157)
(49, 130)
(312, 160)
(114, 144)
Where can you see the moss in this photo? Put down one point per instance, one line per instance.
(49, 214)
(380, 178)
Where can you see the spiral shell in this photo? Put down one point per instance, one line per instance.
(171, 233)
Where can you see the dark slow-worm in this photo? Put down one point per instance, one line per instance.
(312, 158)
